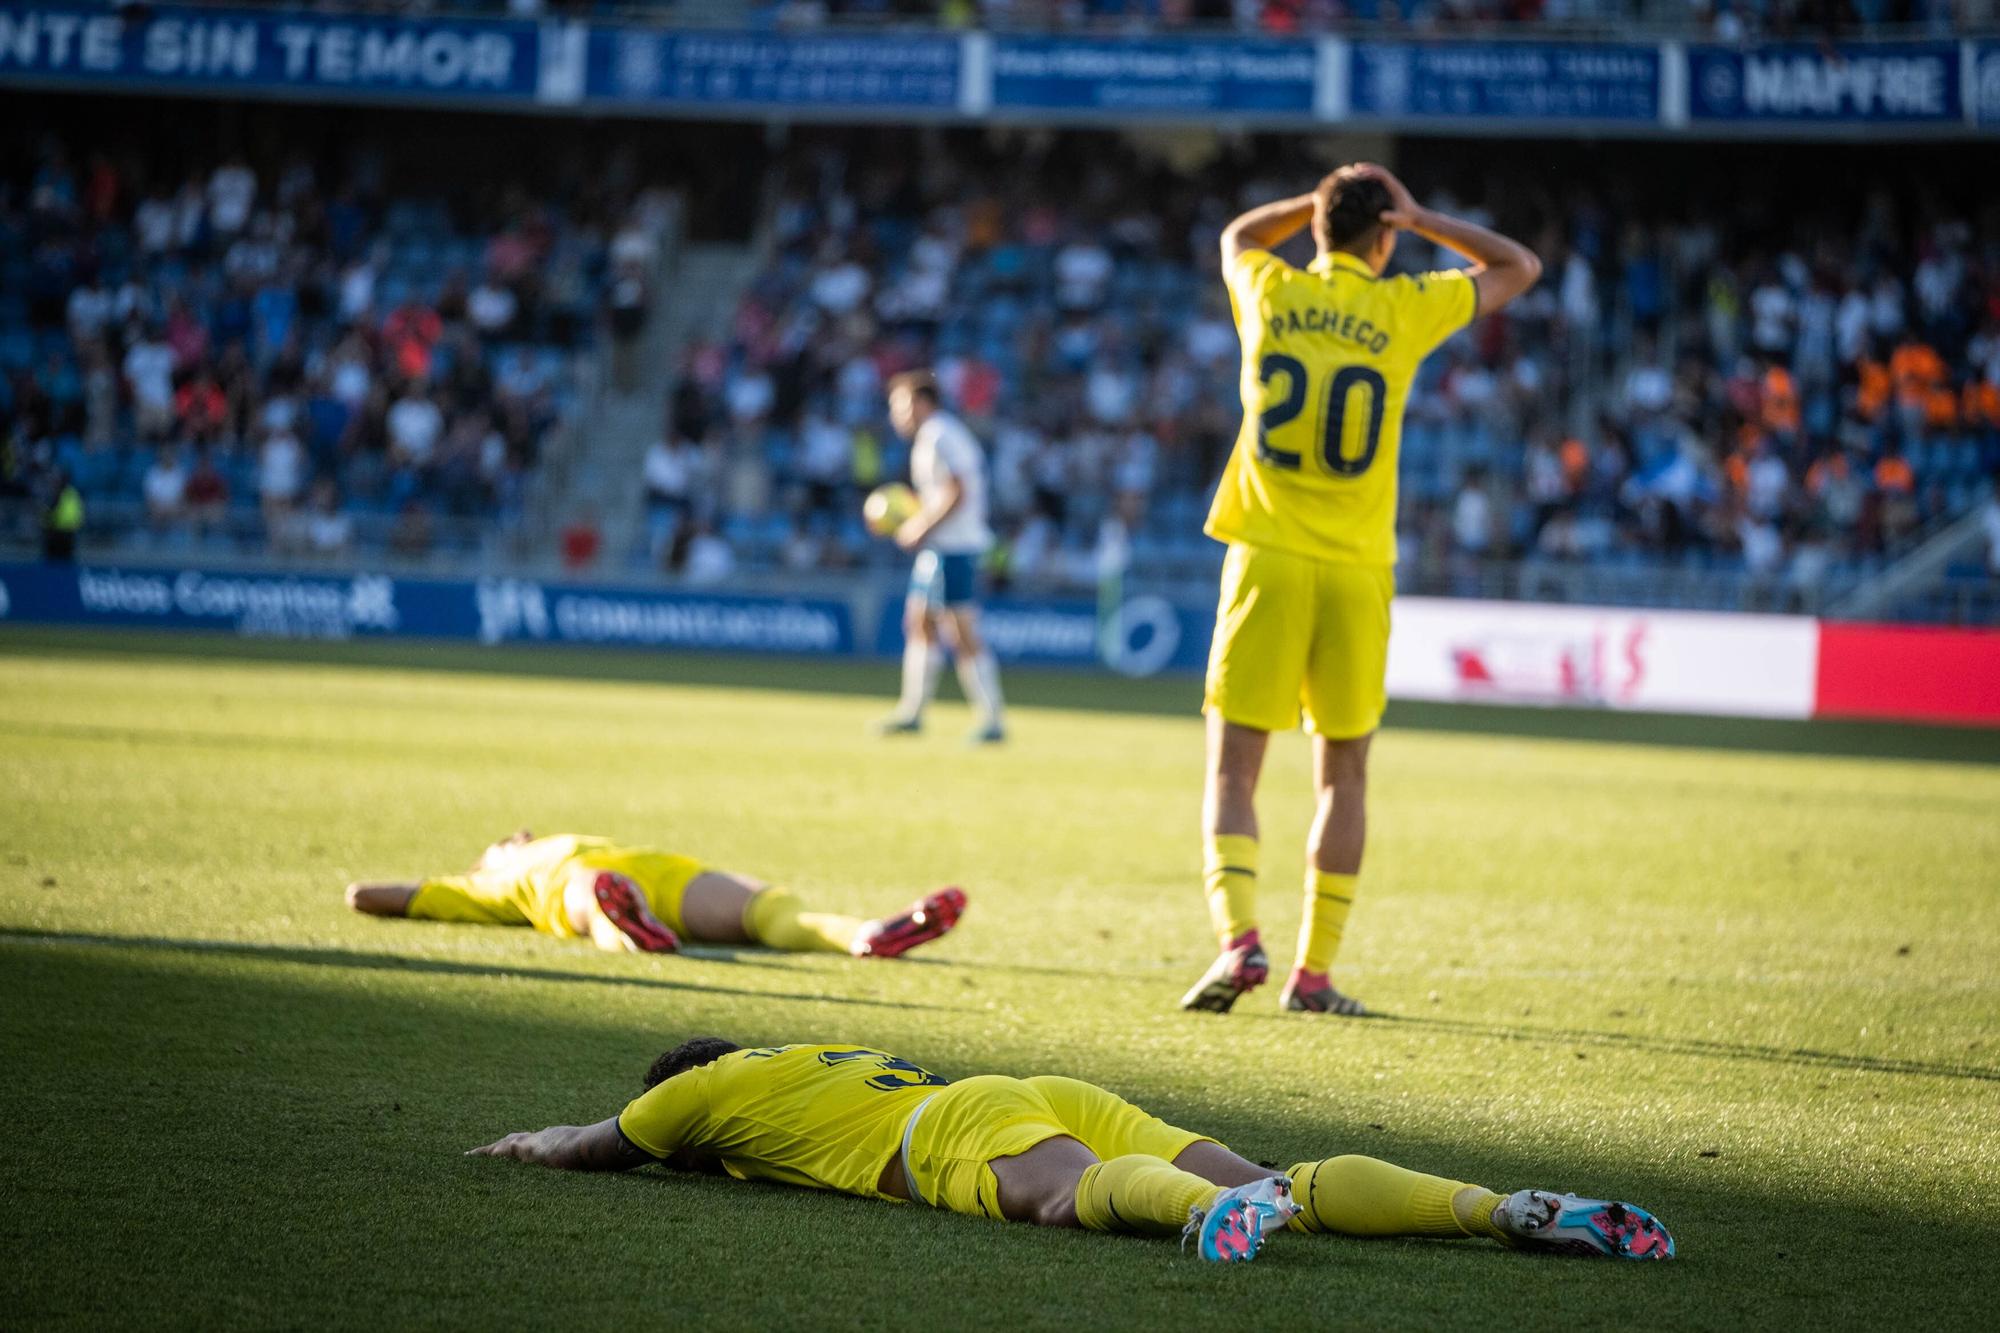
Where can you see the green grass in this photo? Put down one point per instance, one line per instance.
(1755, 991)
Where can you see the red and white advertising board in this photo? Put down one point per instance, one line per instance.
(1691, 662)
(1918, 672)
(1654, 661)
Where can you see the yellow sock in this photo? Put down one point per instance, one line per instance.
(1142, 1194)
(1229, 878)
(777, 920)
(1360, 1196)
(1329, 898)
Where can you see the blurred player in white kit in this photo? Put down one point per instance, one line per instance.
(949, 534)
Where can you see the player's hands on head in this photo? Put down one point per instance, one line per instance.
(1403, 210)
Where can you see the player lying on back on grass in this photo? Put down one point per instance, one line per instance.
(645, 900)
(1053, 1151)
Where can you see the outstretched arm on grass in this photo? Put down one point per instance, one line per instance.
(598, 1147)
(381, 899)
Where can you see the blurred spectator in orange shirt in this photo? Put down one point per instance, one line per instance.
(1872, 394)
(1917, 369)
(1780, 401)
(201, 406)
(1982, 403)
(1893, 475)
(409, 333)
(1897, 483)
(1736, 471)
(1941, 408)
(1575, 464)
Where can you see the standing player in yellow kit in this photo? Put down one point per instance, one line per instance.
(1307, 506)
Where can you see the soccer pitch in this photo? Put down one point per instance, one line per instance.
(1753, 991)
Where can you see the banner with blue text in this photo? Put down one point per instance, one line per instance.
(801, 71)
(1153, 76)
(278, 604)
(932, 76)
(1982, 95)
(1515, 81)
(1142, 636)
(235, 49)
(1891, 83)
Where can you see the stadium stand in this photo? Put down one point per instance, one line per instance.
(1736, 387)
(283, 354)
(1779, 393)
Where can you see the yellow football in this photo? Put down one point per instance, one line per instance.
(888, 507)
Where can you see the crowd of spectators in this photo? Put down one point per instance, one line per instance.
(1784, 375)
(1782, 389)
(277, 356)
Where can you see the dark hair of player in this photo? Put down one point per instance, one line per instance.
(1350, 210)
(690, 1054)
(922, 383)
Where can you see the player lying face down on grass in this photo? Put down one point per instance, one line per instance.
(1053, 1151)
(641, 899)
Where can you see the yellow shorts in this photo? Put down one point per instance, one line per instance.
(501, 898)
(1291, 630)
(970, 1123)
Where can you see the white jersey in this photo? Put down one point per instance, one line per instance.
(943, 450)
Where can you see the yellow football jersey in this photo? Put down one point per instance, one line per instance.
(829, 1117)
(532, 876)
(1328, 356)
(524, 883)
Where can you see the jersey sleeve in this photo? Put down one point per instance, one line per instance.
(1248, 275)
(1437, 305)
(669, 1115)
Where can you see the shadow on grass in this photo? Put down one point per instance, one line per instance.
(1170, 696)
(1024, 969)
(391, 962)
(210, 738)
(278, 1148)
(1694, 1046)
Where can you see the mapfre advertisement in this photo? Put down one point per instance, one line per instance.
(1651, 661)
